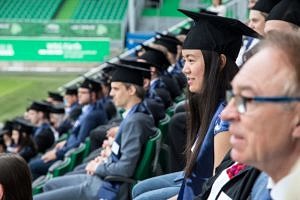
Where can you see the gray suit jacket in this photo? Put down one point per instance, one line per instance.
(137, 130)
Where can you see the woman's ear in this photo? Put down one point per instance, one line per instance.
(1, 192)
(223, 61)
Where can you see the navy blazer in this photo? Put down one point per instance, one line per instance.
(94, 118)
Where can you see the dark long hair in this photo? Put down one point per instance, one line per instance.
(202, 106)
(15, 177)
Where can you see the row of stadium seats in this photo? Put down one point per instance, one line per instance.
(101, 9)
(28, 9)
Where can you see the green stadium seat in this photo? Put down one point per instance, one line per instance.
(63, 137)
(170, 111)
(58, 168)
(180, 98)
(87, 147)
(29, 9)
(76, 155)
(100, 10)
(61, 168)
(146, 167)
(38, 184)
(163, 127)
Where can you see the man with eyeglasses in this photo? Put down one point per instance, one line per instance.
(264, 114)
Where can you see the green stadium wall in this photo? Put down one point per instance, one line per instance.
(113, 30)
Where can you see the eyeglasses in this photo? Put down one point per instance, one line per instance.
(241, 101)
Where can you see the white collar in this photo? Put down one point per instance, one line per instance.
(152, 81)
(287, 187)
(124, 114)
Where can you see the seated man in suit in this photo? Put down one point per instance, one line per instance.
(135, 129)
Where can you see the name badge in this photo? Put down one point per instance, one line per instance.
(115, 148)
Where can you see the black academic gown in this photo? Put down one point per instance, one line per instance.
(239, 187)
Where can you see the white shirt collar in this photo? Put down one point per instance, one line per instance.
(287, 187)
(124, 114)
(152, 81)
(85, 108)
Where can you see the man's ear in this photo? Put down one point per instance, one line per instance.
(223, 61)
(132, 89)
(146, 83)
(296, 131)
(1, 191)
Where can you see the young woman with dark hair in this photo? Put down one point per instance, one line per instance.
(203, 104)
(23, 143)
(209, 51)
(15, 178)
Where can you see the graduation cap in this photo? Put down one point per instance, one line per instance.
(104, 78)
(155, 57)
(57, 109)
(170, 44)
(215, 33)
(40, 106)
(169, 36)
(91, 84)
(56, 96)
(72, 90)
(23, 126)
(286, 10)
(7, 128)
(2, 140)
(144, 65)
(205, 11)
(265, 5)
(183, 31)
(128, 74)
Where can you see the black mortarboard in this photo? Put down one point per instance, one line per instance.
(214, 33)
(23, 126)
(170, 44)
(56, 96)
(104, 78)
(286, 10)
(265, 5)
(108, 69)
(155, 57)
(169, 36)
(72, 90)
(127, 74)
(145, 65)
(96, 83)
(183, 31)
(7, 128)
(2, 140)
(40, 106)
(205, 11)
(91, 84)
(57, 109)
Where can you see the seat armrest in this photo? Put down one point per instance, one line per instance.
(55, 165)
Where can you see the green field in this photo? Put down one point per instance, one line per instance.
(17, 90)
